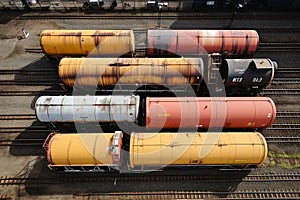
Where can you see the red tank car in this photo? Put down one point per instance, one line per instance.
(188, 42)
(204, 112)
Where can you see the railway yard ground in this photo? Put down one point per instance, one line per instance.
(25, 74)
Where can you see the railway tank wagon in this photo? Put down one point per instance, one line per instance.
(247, 75)
(106, 72)
(87, 108)
(86, 152)
(160, 112)
(204, 112)
(238, 76)
(232, 43)
(232, 148)
(109, 43)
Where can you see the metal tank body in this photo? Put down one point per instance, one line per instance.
(186, 42)
(87, 108)
(87, 42)
(160, 149)
(247, 72)
(131, 71)
(69, 151)
(84, 149)
(205, 112)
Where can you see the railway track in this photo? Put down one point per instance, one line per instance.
(288, 70)
(286, 140)
(33, 77)
(27, 71)
(288, 114)
(33, 50)
(22, 142)
(17, 117)
(271, 47)
(285, 81)
(281, 91)
(32, 129)
(140, 177)
(40, 129)
(41, 82)
(141, 14)
(285, 127)
(34, 93)
(243, 194)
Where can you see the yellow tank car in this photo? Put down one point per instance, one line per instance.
(85, 42)
(161, 149)
(131, 71)
(70, 150)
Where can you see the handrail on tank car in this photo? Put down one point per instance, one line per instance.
(47, 140)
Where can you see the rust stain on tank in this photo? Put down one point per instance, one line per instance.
(79, 35)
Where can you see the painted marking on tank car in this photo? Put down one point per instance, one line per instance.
(164, 115)
(251, 124)
(257, 80)
(237, 80)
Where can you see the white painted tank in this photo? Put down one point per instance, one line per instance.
(87, 108)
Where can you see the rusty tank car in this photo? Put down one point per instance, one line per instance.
(230, 43)
(109, 43)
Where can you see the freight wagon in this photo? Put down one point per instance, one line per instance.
(203, 74)
(109, 43)
(158, 43)
(230, 43)
(153, 151)
(159, 112)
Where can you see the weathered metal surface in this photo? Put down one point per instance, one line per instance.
(83, 150)
(131, 71)
(87, 42)
(157, 149)
(211, 148)
(183, 42)
(87, 108)
(205, 112)
(247, 72)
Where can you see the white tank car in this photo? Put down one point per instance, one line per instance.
(87, 108)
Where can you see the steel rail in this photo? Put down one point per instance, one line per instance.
(33, 93)
(36, 129)
(240, 194)
(282, 139)
(22, 142)
(287, 70)
(33, 50)
(27, 71)
(285, 81)
(278, 47)
(41, 82)
(152, 15)
(288, 114)
(286, 127)
(149, 178)
(17, 116)
(281, 91)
